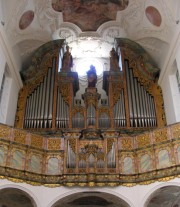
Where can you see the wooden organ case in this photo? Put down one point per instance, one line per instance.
(46, 102)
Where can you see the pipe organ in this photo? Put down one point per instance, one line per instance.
(46, 101)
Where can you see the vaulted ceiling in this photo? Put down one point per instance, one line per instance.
(29, 24)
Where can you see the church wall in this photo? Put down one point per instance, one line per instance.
(168, 81)
(12, 103)
(171, 97)
(136, 196)
(12, 83)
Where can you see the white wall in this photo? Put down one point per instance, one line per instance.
(168, 81)
(171, 96)
(12, 84)
(136, 196)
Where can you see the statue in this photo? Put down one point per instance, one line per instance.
(114, 60)
(67, 61)
(92, 77)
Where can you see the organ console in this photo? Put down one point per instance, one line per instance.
(46, 101)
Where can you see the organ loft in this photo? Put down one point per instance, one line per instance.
(90, 119)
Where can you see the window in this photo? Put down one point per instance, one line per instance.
(2, 86)
(178, 79)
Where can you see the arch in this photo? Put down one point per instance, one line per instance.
(95, 190)
(26, 191)
(148, 195)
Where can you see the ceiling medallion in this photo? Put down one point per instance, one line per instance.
(153, 16)
(26, 19)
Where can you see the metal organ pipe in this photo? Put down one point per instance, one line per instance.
(62, 115)
(71, 157)
(119, 112)
(112, 157)
(91, 113)
(38, 112)
(141, 103)
(129, 94)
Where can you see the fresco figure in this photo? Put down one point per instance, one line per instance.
(92, 77)
(67, 62)
(114, 60)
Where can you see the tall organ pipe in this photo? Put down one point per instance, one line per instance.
(141, 103)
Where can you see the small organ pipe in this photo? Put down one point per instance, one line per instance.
(51, 97)
(123, 108)
(129, 94)
(47, 99)
(40, 105)
(43, 102)
(137, 101)
(133, 98)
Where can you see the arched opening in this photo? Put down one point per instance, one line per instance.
(15, 197)
(164, 196)
(91, 199)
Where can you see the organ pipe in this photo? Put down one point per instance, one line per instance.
(62, 115)
(119, 112)
(38, 112)
(111, 157)
(141, 103)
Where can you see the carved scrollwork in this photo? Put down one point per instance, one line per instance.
(65, 92)
(143, 140)
(127, 144)
(116, 88)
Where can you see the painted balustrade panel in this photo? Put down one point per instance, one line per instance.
(128, 166)
(2, 156)
(35, 164)
(53, 166)
(145, 163)
(163, 159)
(17, 161)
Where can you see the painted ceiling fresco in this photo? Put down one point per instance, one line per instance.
(89, 14)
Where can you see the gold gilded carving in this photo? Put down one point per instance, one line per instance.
(98, 143)
(4, 132)
(19, 136)
(143, 140)
(160, 135)
(100, 156)
(52, 185)
(72, 143)
(158, 98)
(77, 109)
(15, 180)
(137, 73)
(127, 144)
(91, 149)
(21, 107)
(82, 156)
(36, 141)
(116, 89)
(65, 91)
(176, 131)
(103, 110)
(54, 143)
